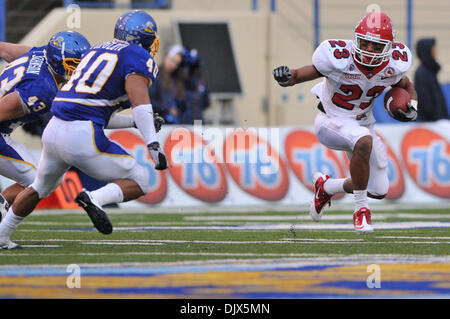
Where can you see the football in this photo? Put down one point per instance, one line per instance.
(395, 100)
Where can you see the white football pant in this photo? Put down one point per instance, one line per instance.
(84, 145)
(16, 161)
(342, 134)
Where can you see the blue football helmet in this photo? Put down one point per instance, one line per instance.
(140, 28)
(64, 51)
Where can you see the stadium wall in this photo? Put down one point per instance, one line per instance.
(262, 39)
(261, 167)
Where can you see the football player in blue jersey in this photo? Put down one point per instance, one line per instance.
(27, 88)
(110, 75)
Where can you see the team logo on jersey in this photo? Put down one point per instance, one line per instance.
(389, 72)
(194, 166)
(255, 166)
(136, 146)
(427, 158)
(395, 173)
(306, 155)
(350, 76)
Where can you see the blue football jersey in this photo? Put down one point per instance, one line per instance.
(96, 89)
(31, 78)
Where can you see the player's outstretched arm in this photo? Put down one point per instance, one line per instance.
(12, 107)
(411, 114)
(118, 121)
(136, 87)
(288, 77)
(11, 51)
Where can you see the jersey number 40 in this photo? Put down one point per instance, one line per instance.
(101, 76)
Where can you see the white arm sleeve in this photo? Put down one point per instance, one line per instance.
(120, 121)
(143, 117)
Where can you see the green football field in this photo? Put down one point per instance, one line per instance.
(229, 255)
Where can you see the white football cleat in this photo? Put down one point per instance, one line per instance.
(362, 221)
(8, 245)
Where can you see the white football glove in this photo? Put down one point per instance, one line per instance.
(158, 156)
(410, 114)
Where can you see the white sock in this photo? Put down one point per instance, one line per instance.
(334, 185)
(110, 193)
(360, 199)
(9, 224)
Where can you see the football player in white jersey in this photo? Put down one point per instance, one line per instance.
(354, 73)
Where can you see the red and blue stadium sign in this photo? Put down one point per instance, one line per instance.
(306, 155)
(426, 155)
(194, 166)
(255, 166)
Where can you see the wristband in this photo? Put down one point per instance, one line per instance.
(294, 76)
(414, 104)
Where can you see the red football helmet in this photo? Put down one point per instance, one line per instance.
(374, 31)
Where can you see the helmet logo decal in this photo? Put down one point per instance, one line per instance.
(149, 28)
(58, 41)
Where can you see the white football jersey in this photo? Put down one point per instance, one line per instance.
(348, 89)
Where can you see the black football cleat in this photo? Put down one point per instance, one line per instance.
(95, 212)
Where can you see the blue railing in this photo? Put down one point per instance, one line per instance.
(2, 20)
(273, 5)
(156, 4)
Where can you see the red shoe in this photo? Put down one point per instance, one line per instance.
(321, 198)
(361, 221)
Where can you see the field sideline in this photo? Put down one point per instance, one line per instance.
(230, 254)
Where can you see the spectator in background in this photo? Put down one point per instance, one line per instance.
(432, 105)
(180, 93)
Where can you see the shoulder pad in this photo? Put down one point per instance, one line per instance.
(401, 57)
(136, 49)
(332, 55)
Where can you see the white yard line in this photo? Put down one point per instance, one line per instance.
(207, 209)
(235, 242)
(330, 217)
(410, 237)
(280, 226)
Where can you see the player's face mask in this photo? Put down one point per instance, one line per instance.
(70, 64)
(154, 47)
(371, 52)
